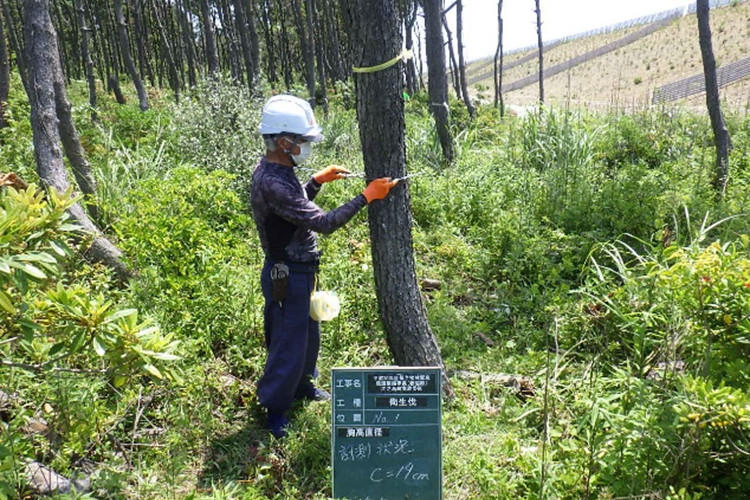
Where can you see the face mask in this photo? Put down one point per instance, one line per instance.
(305, 149)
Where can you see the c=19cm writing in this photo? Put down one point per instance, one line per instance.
(405, 473)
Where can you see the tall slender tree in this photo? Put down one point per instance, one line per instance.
(127, 56)
(4, 76)
(437, 82)
(722, 139)
(209, 39)
(461, 61)
(538, 11)
(167, 50)
(376, 37)
(86, 56)
(244, 33)
(45, 83)
(410, 20)
(498, 62)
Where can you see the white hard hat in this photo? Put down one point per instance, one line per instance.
(289, 114)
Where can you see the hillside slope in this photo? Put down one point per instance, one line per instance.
(627, 77)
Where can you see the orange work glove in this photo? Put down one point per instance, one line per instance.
(330, 173)
(378, 189)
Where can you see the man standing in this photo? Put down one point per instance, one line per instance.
(287, 220)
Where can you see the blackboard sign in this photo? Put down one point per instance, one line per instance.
(386, 436)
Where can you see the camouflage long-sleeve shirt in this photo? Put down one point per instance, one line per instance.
(286, 217)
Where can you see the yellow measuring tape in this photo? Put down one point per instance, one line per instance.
(403, 56)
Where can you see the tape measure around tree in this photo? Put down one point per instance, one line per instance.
(403, 56)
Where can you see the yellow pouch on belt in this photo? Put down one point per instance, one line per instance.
(324, 306)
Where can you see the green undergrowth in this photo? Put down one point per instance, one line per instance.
(587, 253)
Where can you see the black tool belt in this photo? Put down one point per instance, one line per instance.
(311, 267)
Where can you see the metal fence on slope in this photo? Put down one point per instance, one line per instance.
(696, 84)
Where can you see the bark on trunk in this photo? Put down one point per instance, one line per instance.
(541, 50)
(44, 77)
(376, 37)
(208, 35)
(499, 60)
(4, 76)
(129, 64)
(722, 140)
(437, 82)
(461, 62)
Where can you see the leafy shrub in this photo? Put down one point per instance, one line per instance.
(216, 128)
(61, 317)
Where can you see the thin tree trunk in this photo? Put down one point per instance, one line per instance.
(253, 34)
(208, 34)
(541, 50)
(499, 60)
(86, 56)
(188, 41)
(461, 62)
(437, 82)
(4, 76)
(45, 77)
(310, 57)
(141, 42)
(376, 37)
(452, 58)
(285, 48)
(267, 24)
(320, 56)
(722, 140)
(242, 29)
(170, 61)
(125, 50)
(15, 42)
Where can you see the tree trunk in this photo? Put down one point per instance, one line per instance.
(241, 21)
(86, 56)
(499, 60)
(461, 62)
(310, 56)
(208, 35)
(4, 76)
(44, 78)
(452, 57)
(15, 43)
(253, 34)
(541, 50)
(141, 43)
(188, 41)
(174, 78)
(721, 135)
(320, 56)
(437, 82)
(129, 64)
(267, 24)
(376, 37)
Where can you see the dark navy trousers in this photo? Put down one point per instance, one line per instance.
(292, 341)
